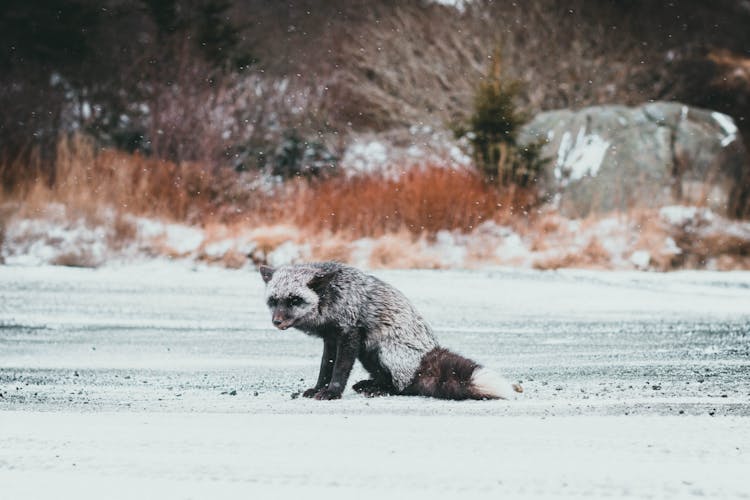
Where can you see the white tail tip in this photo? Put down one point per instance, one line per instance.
(490, 383)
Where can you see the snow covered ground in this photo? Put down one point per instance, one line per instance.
(163, 380)
(673, 237)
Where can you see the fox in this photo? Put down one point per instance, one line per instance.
(360, 317)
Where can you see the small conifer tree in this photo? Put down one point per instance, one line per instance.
(493, 130)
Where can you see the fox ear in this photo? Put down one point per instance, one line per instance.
(267, 273)
(320, 282)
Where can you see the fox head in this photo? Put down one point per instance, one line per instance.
(293, 293)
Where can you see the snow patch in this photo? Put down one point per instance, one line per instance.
(365, 156)
(581, 158)
(179, 238)
(148, 228)
(512, 247)
(287, 253)
(641, 259)
(361, 252)
(219, 249)
(679, 215)
(727, 126)
(451, 252)
(458, 156)
(183, 239)
(670, 247)
(43, 241)
(459, 5)
(415, 151)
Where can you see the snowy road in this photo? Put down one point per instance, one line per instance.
(163, 382)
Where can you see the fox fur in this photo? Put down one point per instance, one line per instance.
(361, 317)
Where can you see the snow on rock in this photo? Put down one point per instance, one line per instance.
(459, 5)
(727, 125)
(581, 158)
(616, 158)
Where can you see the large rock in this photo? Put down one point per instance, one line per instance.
(606, 158)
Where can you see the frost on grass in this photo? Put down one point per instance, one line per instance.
(175, 239)
(672, 237)
(365, 156)
(401, 150)
(56, 238)
(679, 215)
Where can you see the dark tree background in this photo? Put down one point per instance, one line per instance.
(228, 81)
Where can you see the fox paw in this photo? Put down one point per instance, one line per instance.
(371, 389)
(365, 386)
(325, 394)
(310, 392)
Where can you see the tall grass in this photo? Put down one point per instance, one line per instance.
(86, 179)
(420, 201)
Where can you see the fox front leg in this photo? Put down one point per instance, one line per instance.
(347, 347)
(326, 367)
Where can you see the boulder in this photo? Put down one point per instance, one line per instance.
(607, 158)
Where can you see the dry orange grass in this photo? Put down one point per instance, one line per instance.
(87, 179)
(404, 212)
(267, 238)
(420, 201)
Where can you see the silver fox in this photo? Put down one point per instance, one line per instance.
(360, 317)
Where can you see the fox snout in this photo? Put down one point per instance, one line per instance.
(280, 321)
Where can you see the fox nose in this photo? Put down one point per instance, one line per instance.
(276, 321)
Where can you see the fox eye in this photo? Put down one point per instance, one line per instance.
(272, 302)
(295, 301)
